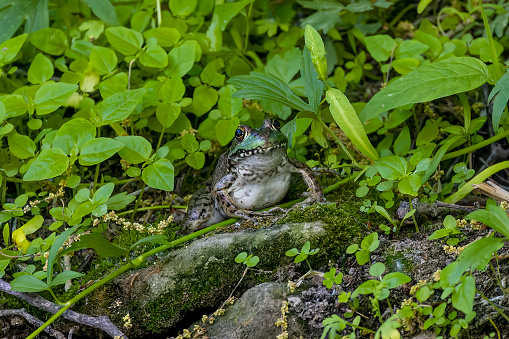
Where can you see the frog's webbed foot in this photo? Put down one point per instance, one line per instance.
(253, 215)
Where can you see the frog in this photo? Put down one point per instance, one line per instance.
(254, 173)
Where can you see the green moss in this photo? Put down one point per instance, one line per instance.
(398, 262)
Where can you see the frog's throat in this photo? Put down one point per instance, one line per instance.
(258, 150)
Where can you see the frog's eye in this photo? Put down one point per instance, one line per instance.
(276, 124)
(240, 133)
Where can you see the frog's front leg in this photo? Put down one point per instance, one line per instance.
(225, 203)
(316, 192)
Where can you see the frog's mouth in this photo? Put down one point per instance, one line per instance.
(259, 150)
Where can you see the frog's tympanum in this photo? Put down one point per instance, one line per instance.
(253, 174)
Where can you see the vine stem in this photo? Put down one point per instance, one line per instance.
(140, 259)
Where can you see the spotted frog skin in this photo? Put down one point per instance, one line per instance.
(253, 174)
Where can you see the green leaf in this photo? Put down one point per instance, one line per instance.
(392, 167)
(312, 86)
(427, 83)
(75, 132)
(28, 283)
(370, 242)
(120, 201)
(362, 257)
(395, 279)
(225, 130)
(19, 235)
(103, 194)
(172, 90)
(50, 40)
(346, 118)
(315, 45)
(267, 87)
(118, 106)
(377, 269)
(410, 184)
(104, 10)
(380, 46)
(126, 41)
(159, 175)
(52, 95)
(55, 248)
(102, 60)
(189, 143)
(50, 163)
(63, 277)
(253, 261)
(21, 146)
(166, 36)
(501, 90)
(153, 239)
(154, 56)
(292, 253)
(181, 60)
(14, 105)
(136, 149)
(3, 112)
(438, 157)
(97, 150)
(493, 216)
(10, 48)
(41, 69)
(367, 287)
(182, 8)
(463, 295)
(103, 247)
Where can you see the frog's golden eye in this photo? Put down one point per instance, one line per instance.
(276, 124)
(240, 133)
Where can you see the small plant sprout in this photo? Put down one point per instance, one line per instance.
(302, 254)
(248, 260)
(331, 278)
(369, 244)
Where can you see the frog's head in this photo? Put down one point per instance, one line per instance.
(250, 141)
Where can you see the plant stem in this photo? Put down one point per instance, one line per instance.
(158, 9)
(248, 14)
(413, 216)
(492, 44)
(495, 327)
(138, 201)
(140, 259)
(55, 297)
(493, 305)
(340, 143)
(98, 166)
(476, 146)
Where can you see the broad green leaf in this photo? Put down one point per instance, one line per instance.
(463, 295)
(120, 201)
(40, 70)
(52, 95)
(49, 163)
(312, 85)
(172, 90)
(97, 150)
(392, 167)
(103, 194)
(493, 216)
(501, 90)
(287, 66)
(346, 118)
(377, 269)
(189, 143)
(166, 36)
(21, 146)
(181, 60)
(104, 10)
(136, 149)
(427, 83)
(225, 130)
(28, 283)
(182, 8)
(126, 41)
(153, 239)
(102, 60)
(380, 46)
(167, 113)
(410, 184)
(118, 106)
(3, 112)
(388, 330)
(64, 276)
(395, 279)
(75, 132)
(315, 45)
(267, 87)
(159, 175)
(196, 160)
(370, 242)
(227, 11)
(10, 48)
(50, 40)
(154, 56)
(14, 105)
(96, 241)
(19, 235)
(438, 157)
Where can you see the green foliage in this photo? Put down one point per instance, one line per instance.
(248, 260)
(303, 254)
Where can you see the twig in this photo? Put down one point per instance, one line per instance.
(32, 320)
(102, 322)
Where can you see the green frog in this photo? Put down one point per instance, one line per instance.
(255, 173)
